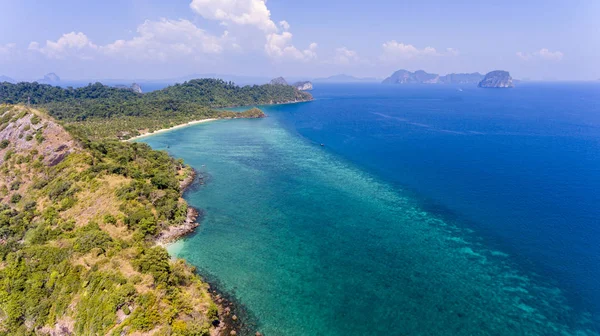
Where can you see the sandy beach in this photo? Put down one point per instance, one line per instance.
(171, 128)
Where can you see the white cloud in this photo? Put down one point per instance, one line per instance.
(284, 25)
(241, 12)
(452, 52)
(550, 55)
(393, 51)
(70, 44)
(279, 47)
(172, 39)
(345, 56)
(256, 13)
(543, 54)
(156, 40)
(7, 50)
(167, 39)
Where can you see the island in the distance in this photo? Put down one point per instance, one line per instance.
(497, 79)
(423, 77)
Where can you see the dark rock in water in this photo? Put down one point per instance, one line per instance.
(303, 86)
(497, 79)
(279, 81)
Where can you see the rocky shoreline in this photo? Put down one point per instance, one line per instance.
(232, 317)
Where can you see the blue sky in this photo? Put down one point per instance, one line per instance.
(152, 39)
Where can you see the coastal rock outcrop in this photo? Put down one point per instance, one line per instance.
(135, 87)
(303, 86)
(497, 79)
(279, 81)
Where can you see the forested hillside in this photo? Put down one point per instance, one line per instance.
(78, 221)
(196, 97)
(98, 111)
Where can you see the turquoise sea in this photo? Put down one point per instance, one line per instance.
(429, 210)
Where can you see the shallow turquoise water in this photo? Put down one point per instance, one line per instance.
(311, 244)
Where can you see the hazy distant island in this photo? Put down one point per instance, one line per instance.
(497, 79)
(343, 78)
(7, 79)
(50, 78)
(423, 77)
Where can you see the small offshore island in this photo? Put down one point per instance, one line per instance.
(85, 215)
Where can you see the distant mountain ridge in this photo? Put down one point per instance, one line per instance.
(423, 77)
(7, 79)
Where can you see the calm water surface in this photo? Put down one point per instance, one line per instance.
(430, 210)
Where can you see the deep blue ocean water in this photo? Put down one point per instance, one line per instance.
(429, 210)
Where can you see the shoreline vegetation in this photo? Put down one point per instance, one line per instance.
(84, 215)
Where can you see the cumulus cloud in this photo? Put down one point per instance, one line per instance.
(543, 54)
(345, 56)
(279, 47)
(7, 50)
(70, 44)
(241, 12)
(167, 39)
(284, 25)
(256, 13)
(394, 50)
(170, 39)
(155, 40)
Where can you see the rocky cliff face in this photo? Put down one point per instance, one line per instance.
(278, 81)
(135, 87)
(497, 79)
(26, 134)
(303, 86)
